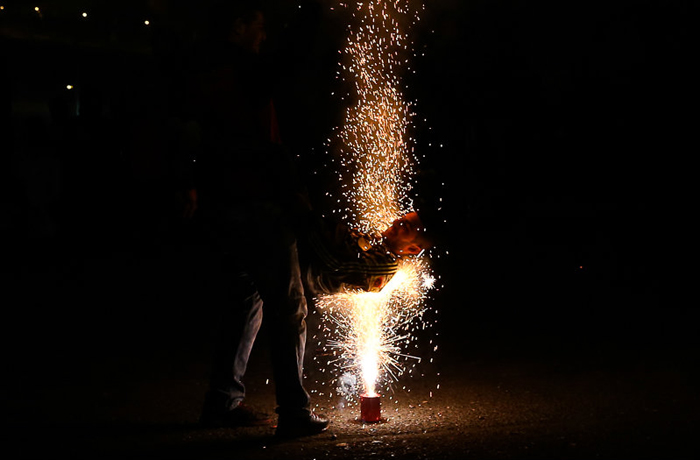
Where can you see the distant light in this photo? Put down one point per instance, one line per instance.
(36, 8)
(69, 86)
(147, 22)
(84, 15)
(2, 7)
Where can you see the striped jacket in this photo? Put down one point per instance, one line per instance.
(339, 258)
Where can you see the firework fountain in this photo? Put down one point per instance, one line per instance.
(369, 333)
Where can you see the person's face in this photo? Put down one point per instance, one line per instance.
(403, 234)
(250, 36)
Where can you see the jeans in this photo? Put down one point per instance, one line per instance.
(264, 279)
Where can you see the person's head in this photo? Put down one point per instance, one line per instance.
(240, 22)
(248, 31)
(406, 235)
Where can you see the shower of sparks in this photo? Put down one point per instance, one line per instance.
(375, 152)
(369, 333)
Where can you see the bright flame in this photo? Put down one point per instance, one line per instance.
(370, 330)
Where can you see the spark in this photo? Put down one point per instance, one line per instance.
(373, 144)
(369, 332)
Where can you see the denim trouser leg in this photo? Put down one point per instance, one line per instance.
(288, 339)
(239, 326)
(266, 259)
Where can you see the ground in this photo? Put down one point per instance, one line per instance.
(121, 350)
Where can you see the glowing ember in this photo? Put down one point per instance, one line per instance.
(369, 331)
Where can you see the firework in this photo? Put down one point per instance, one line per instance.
(373, 148)
(369, 332)
(370, 408)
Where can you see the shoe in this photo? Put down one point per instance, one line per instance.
(242, 415)
(300, 425)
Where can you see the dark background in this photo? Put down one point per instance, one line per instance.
(555, 134)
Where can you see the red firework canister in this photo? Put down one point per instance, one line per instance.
(370, 409)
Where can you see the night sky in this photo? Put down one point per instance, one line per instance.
(554, 132)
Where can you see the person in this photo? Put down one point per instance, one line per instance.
(250, 197)
(337, 258)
